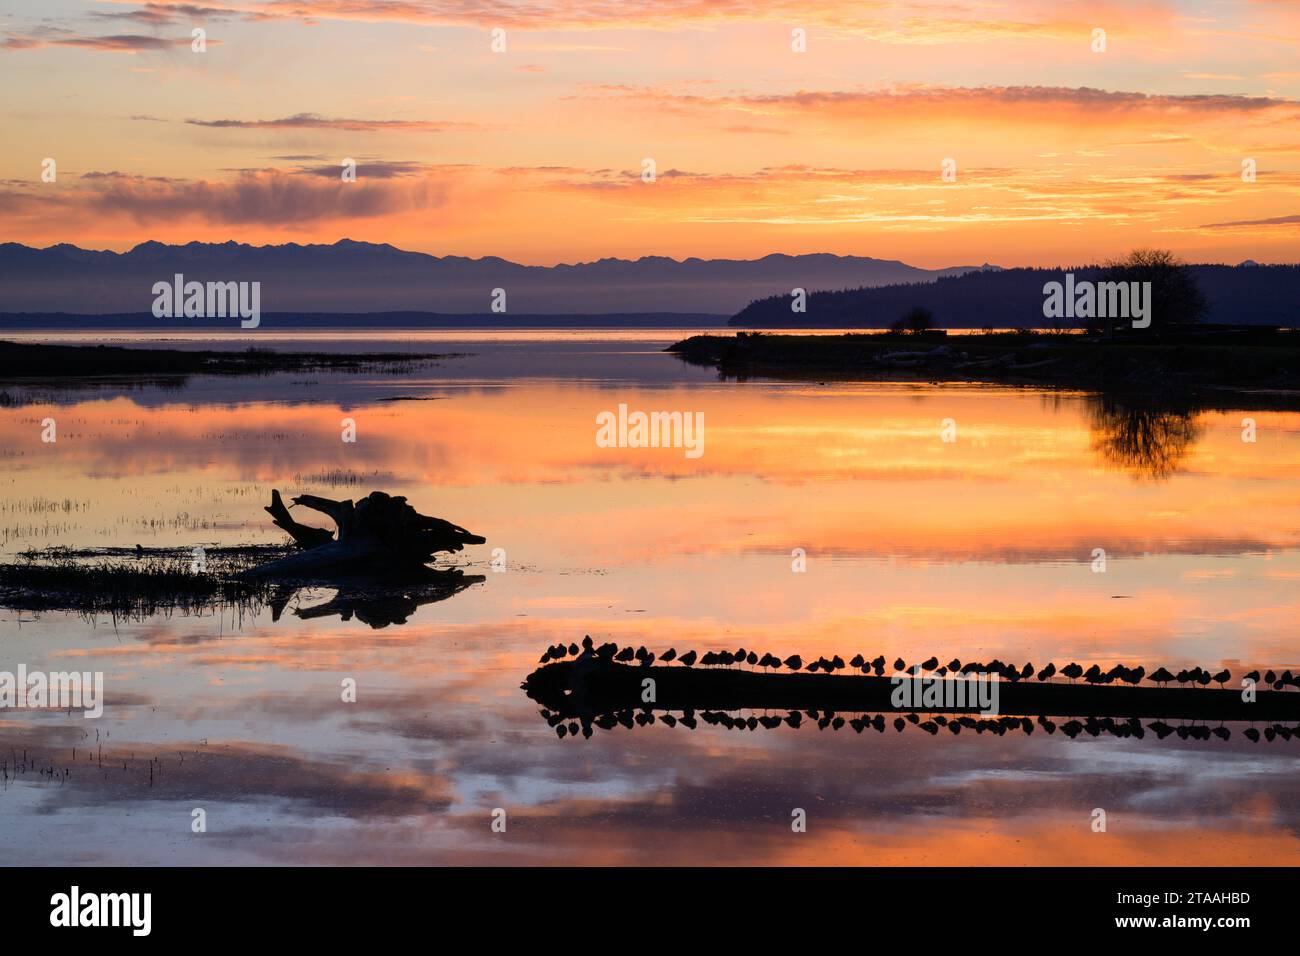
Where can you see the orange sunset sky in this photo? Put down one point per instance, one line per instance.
(534, 153)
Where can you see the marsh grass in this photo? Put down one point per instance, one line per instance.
(133, 585)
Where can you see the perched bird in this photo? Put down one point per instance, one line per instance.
(625, 655)
(1073, 671)
(688, 658)
(899, 664)
(930, 664)
(1161, 676)
(954, 665)
(794, 662)
(669, 655)
(1048, 672)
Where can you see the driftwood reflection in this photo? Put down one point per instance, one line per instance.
(375, 606)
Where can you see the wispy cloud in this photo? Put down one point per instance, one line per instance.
(317, 121)
(1275, 221)
(116, 43)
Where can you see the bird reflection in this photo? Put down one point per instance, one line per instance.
(589, 687)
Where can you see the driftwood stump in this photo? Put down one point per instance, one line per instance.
(380, 536)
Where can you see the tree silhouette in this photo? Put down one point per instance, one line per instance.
(1176, 299)
(915, 320)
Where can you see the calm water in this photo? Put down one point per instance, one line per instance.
(977, 548)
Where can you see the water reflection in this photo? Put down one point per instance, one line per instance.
(982, 546)
(1147, 439)
(377, 607)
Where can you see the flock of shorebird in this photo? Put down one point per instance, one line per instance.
(1196, 676)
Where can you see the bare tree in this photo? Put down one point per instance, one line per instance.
(1176, 298)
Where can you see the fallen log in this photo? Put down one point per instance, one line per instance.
(589, 686)
(380, 537)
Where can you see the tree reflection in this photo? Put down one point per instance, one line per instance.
(1147, 440)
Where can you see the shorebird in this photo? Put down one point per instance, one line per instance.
(794, 662)
(1048, 672)
(688, 658)
(1161, 676)
(669, 655)
(1073, 671)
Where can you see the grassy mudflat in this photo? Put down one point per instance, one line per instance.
(1216, 358)
(72, 363)
(131, 584)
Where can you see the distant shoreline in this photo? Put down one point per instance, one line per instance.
(1224, 358)
(355, 321)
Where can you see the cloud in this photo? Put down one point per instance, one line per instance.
(267, 197)
(1022, 101)
(316, 121)
(917, 21)
(165, 14)
(117, 43)
(1276, 221)
(368, 169)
